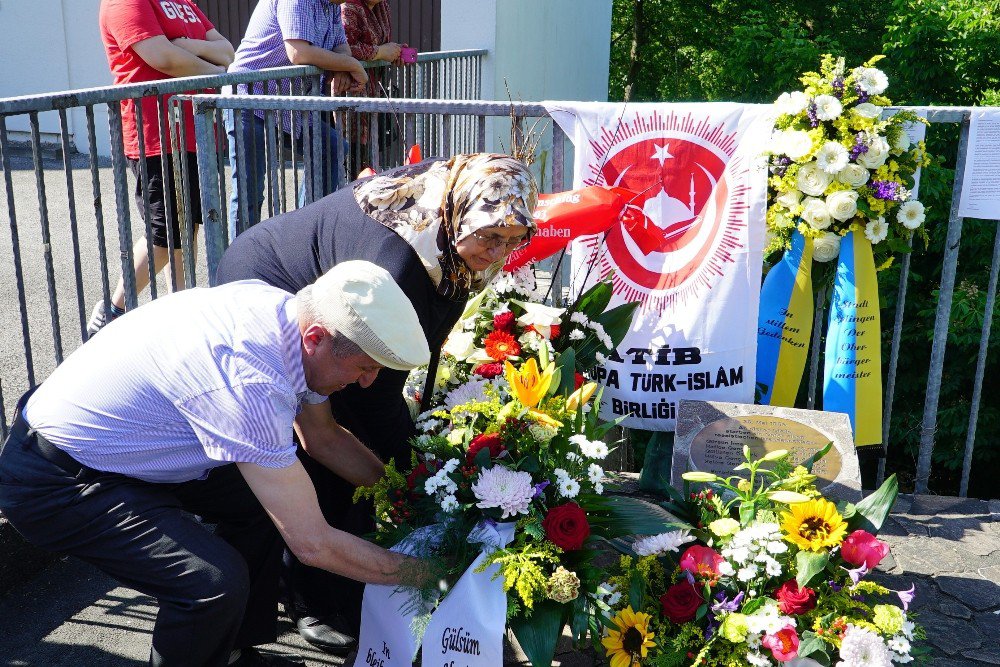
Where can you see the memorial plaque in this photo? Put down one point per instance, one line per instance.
(711, 436)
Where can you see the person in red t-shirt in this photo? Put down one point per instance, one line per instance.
(148, 40)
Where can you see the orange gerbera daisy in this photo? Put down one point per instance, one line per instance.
(500, 345)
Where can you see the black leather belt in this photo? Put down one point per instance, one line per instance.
(28, 438)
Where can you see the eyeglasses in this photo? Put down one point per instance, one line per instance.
(494, 242)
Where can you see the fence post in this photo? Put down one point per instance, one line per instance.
(928, 426)
(211, 208)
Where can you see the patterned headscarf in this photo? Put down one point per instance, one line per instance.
(435, 204)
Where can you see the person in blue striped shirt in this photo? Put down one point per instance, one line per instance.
(188, 405)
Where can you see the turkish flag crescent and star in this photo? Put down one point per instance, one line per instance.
(688, 247)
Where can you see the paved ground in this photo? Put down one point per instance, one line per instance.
(70, 614)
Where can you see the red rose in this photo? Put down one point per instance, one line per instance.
(489, 441)
(503, 321)
(794, 600)
(702, 562)
(489, 371)
(416, 474)
(681, 601)
(566, 526)
(554, 331)
(863, 547)
(578, 380)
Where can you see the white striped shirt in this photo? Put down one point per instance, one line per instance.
(188, 382)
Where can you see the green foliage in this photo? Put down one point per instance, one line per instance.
(939, 52)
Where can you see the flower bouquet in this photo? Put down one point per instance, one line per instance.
(838, 166)
(768, 571)
(514, 441)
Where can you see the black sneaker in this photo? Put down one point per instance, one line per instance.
(251, 657)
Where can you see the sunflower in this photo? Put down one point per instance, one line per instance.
(500, 345)
(814, 525)
(631, 641)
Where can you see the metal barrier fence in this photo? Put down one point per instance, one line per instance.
(59, 247)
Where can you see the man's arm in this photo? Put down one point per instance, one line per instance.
(335, 447)
(289, 498)
(301, 52)
(215, 48)
(172, 60)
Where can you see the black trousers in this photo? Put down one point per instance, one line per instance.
(215, 591)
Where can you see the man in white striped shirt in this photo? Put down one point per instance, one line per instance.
(140, 425)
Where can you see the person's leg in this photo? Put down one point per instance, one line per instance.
(253, 161)
(137, 533)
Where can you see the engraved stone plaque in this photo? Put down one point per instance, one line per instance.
(711, 436)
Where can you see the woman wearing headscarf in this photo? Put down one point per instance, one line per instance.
(442, 229)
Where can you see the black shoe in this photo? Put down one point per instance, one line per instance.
(251, 657)
(326, 634)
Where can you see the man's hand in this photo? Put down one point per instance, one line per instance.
(343, 82)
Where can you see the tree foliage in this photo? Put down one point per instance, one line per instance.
(940, 52)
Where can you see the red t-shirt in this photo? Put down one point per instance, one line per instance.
(123, 24)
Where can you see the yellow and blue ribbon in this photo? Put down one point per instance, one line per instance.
(853, 370)
(784, 324)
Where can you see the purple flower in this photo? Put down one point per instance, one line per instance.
(540, 489)
(834, 586)
(725, 604)
(862, 95)
(689, 576)
(906, 597)
(886, 190)
(857, 573)
(811, 112)
(838, 87)
(859, 148)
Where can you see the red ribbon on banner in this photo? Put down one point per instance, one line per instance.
(564, 216)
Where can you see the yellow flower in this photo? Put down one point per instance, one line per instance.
(581, 396)
(527, 384)
(542, 418)
(814, 525)
(631, 642)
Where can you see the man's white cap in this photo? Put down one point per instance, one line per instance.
(362, 301)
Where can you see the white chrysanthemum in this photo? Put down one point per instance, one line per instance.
(854, 175)
(832, 157)
(568, 487)
(791, 103)
(828, 107)
(573, 457)
(776, 547)
(796, 144)
(593, 449)
(899, 644)
(758, 659)
(449, 504)
(911, 214)
(842, 204)
(576, 334)
(599, 488)
(726, 569)
(747, 572)
(768, 619)
(578, 317)
(429, 425)
(560, 474)
(863, 648)
(871, 80)
(816, 213)
(600, 358)
(738, 555)
(595, 473)
(470, 392)
(877, 154)
(826, 248)
(772, 567)
(812, 180)
(658, 545)
(876, 230)
(868, 110)
(507, 489)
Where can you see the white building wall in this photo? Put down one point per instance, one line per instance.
(539, 49)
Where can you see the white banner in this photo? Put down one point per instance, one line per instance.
(689, 248)
(466, 629)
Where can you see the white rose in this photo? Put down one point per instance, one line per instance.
(815, 212)
(812, 180)
(791, 103)
(826, 248)
(789, 199)
(868, 110)
(878, 152)
(872, 81)
(796, 144)
(828, 107)
(832, 157)
(782, 221)
(843, 204)
(460, 344)
(854, 175)
(911, 214)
